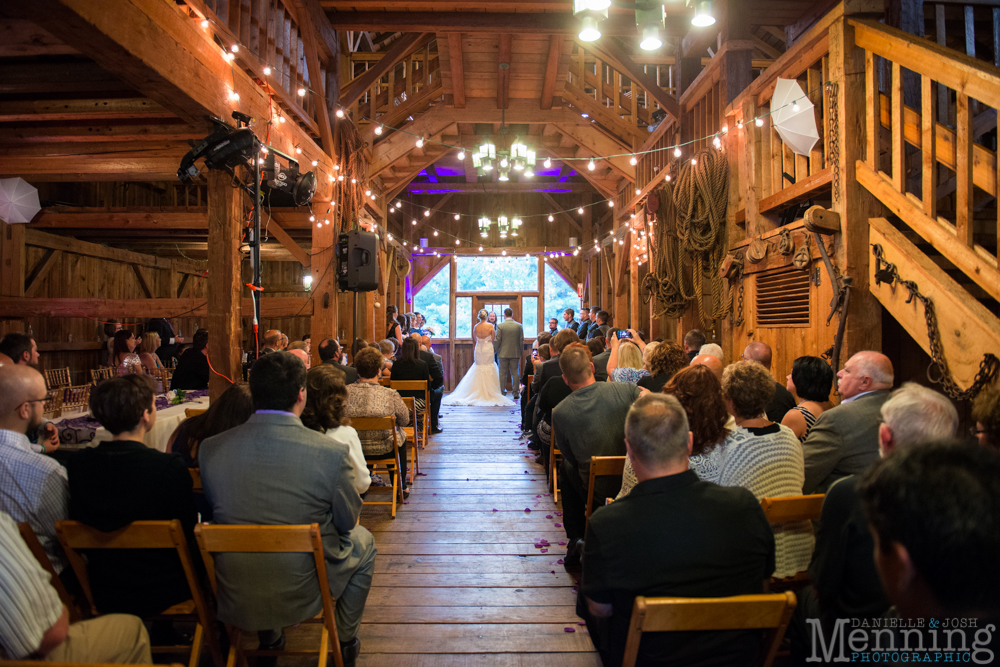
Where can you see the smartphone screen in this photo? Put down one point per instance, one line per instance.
(622, 333)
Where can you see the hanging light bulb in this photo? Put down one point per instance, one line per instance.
(435, 232)
(340, 178)
(368, 193)
(739, 125)
(717, 142)
(480, 248)
(461, 155)
(503, 252)
(302, 92)
(589, 30)
(759, 122)
(315, 163)
(650, 38)
(267, 71)
(298, 150)
(457, 216)
(551, 218)
(457, 242)
(703, 14)
(354, 181)
(204, 23)
(693, 162)
(378, 130)
(591, 166)
(638, 191)
(667, 179)
(580, 210)
(547, 164)
(427, 213)
(234, 96)
(336, 167)
(339, 113)
(388, 237)
(677, 151)
(399, 204)
(633, 161)
(420, 142)
(611, 203)
(414, 222)
(281, 119)
(312, 218)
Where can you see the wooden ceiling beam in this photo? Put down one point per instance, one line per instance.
(398, 115)
(71, 218)
(615, 55)
(619, 25)
(599, 144)
(606, 189)
(401, 48)
(157, 48)
(551, 70)
(389, 151)
(476, 188)
(424, 219)
(562, 214)
(457, 69)
(153, 161)
(13, 111)
(609, 118)
(503, 73)
(93, 132)
(20, 38)
(519, 111)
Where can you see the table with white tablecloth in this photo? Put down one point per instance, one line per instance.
(82, 430)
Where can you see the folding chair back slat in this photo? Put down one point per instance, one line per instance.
(411, 432)
(391, 460)
(101, 373)
(53, 402)
(38, 551)
(793, 508)
(194, 412)
(742, 612)
(602, 466)
(75, 536)
(418, 385)
(213, 539)
(57, 377)
(76, 397)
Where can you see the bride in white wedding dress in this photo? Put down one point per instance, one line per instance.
(481, 384)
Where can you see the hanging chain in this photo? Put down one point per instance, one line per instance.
(833, 142)
(988, 368)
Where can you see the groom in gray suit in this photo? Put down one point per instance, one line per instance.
(510, 347)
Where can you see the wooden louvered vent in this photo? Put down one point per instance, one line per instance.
(783, 298)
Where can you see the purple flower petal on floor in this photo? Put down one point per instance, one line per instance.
(569, 629)
(433, 494)
(495, 509)
(548, 516)
(538, 496)
(539, 545)
(561, 561)
(544, 551)
(525, 472)
(406, 502)
(552, 571)
(527, 509)
(580, 623)
(558, 513)
(562, 544)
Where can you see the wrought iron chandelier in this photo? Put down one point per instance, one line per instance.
(514, 156)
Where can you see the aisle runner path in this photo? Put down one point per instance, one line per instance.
(461, 578)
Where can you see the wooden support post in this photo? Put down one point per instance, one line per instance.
(853, 202)
(635, 316)
(225, 341)
(12, 261)
(323, 323)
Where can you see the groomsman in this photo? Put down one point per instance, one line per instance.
(510, 347)
(584, 323)
(570, 322)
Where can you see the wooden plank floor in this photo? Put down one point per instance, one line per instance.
(459, 579)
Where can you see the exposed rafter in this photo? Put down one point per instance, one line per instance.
(401, 48)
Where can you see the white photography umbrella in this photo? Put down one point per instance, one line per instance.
(793, 116)
(18, 200)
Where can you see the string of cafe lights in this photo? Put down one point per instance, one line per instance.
(229, 55)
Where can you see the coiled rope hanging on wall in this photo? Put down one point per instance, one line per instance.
(691, 229)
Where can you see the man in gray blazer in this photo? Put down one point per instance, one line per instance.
(844, 440)
(273, 470)
(510, 346)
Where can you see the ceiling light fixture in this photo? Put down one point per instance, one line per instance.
(703, 14)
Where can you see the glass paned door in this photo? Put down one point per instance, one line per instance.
(496, 303)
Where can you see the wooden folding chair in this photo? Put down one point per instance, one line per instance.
(787, 510)
(38, 551)
(411, 434)
(57, 377)
(602, 466)
(553, 467)
(196, 480)
(384, 381)
(741, 612)
(53, 403)
(75, 537)
(101, 373)
(418, 385)
(76, 397)
(194, 412)
(213, 539)
(391, 460)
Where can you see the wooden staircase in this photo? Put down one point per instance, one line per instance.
(935, 169)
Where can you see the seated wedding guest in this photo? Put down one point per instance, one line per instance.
(842, 576)
(302, 356)
(844, 439)
(358, 345)
(330, 353)
(367, 398)
(527, 369)
(588, 422)
(634, 547)
(33, 487)
(229, 410)
(168, 340)
(147, 352)
(693, 340)
(810, 382)
(275, 470)
(272, 341)
(782, 400)
(410, 366)
(711, 362)
(120, 481)
(111, 327)
(550, 368)
(600, 357)
(21, 348)
(552, 394)
(986, 412)
(625, 362)
(436, 367)
(700, 394)
(934, 511)
(297, 345)
(34, 623)
(544, 354)
(4, 359)
(192, 370)
(388, 352)
(765, 458)
(283, 343)
(711, 349)
(325, 411)
(665, 361)
(307, 339)
(124, 359)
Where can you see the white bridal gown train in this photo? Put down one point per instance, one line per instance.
(481, 384)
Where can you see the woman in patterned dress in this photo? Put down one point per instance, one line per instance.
(810, 382)
(124, 359)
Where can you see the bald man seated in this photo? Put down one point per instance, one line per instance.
(844, 440)
(713, 363)
(33, 487)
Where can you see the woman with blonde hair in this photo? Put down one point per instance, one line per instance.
(147, 351)
(481, 384)
(625, 362)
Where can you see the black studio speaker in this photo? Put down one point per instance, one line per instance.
(357, 261)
